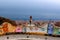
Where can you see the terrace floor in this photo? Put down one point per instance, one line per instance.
(27, 37)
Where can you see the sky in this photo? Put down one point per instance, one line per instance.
(20, 9)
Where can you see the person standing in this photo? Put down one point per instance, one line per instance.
(50, 28)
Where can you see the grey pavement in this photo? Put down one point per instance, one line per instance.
(27, 37)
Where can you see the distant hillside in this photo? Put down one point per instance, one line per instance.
(2, 19)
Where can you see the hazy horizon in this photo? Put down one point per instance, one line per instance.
(22, 9)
